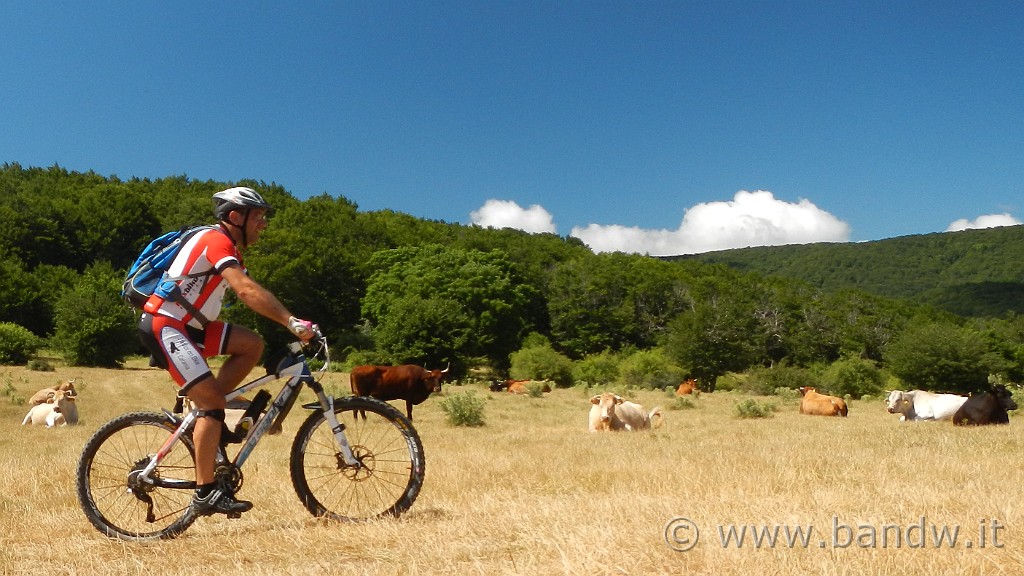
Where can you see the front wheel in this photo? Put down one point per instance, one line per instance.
(391, 462)
(120, 504)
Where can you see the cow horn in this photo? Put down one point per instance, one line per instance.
(447, 368)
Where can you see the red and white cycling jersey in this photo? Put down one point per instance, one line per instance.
(209, 250)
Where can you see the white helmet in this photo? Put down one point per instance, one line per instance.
(237, 198)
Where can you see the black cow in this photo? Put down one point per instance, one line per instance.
(989, 407)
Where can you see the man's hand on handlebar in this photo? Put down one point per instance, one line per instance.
(303, 329)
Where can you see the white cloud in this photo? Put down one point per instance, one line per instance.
(986, 221)
(749, 219)
(508, 214)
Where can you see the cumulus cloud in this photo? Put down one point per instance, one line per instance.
(986, 221)
(508, 214)
(749, 219)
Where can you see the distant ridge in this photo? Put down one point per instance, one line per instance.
(971, 273)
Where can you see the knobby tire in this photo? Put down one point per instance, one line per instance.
(388, 447)
(143, 512)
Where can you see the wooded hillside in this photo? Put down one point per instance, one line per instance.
(971, 273)
(391, 288)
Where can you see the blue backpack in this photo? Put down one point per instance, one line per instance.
(148, 274)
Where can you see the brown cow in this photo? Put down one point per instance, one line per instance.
(688, 387)
(406, 382)
(517, 386)
(46, 394)
(821, 404)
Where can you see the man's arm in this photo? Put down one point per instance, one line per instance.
(256, 297)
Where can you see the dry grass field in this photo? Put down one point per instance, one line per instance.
(532, 492)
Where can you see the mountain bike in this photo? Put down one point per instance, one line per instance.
(136, 474)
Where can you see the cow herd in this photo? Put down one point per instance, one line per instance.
(989, 407)
(56, 406)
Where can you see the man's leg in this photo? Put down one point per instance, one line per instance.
(244, 348)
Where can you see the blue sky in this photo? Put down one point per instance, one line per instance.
(658, 127)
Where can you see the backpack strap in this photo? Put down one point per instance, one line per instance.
(175, 295)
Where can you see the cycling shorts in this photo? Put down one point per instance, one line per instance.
(182, 350)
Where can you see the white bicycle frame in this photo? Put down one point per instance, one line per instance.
(297, 375)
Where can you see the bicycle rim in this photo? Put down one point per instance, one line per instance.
(136, 512)
(391, 456)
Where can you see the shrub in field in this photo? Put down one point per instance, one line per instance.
(40, 365)
(464, 409)
(535, 389)
(681, 403)
(852, 376)
(651, 369)
(751, 408)
(541, 363)
(597, 369)
(765, 381)
(787, 393)
(17, 343)
(94, 327)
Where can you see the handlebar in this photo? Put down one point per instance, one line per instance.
(316, 347)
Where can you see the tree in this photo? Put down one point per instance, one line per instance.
(94, 327)
(310, 257)
(717, 336)
(588, 306)
(434, 304)
(942, 357)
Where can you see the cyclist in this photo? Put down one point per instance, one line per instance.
(182, 337)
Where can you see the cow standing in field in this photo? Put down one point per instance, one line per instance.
(921, 405)
(989, 407)
(818, 404)
(611, 412)
(408, 382)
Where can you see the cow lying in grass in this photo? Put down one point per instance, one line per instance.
(46, 394)
(818, 404)
(922, 405)
(989, 407)
(60, 410)
(610, 412)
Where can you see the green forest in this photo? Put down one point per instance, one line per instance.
(939, 312)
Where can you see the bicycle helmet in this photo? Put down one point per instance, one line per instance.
(237, 198)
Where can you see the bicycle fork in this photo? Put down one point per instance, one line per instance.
(326, 404)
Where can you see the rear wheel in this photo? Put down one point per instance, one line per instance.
(120, 504)
(391, 462)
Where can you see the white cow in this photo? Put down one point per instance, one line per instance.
(612, 412)
(921, 405)
(58, 411)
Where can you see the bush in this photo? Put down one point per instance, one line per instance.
(541, 363)
(765, 381)
(651, 369)
(597, 369)
(17, 343)
(94, 327)
(854, 377)
(787, 393)
(464, 409)
(40, 366)
(681, 403)
(535, 389)
(751, 408)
